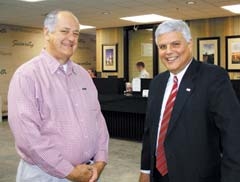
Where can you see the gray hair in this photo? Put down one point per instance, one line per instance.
(51, 20)
(173, 26)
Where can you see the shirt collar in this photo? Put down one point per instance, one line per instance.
(54, 65)
(180, 74)
(70, 68)
(65, 66)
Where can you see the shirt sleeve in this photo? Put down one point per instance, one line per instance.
(26, 123)
(145, 171)
(103, 136)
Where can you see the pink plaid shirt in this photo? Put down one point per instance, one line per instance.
(55, 116)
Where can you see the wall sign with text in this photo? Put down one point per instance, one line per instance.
(22, 43)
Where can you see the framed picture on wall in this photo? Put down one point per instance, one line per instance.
(233, 53)
(208, 50)
(109, 58)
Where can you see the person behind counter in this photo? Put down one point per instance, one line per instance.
(54, 112)
(142, 70)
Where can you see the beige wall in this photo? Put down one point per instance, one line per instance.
(85, 55)
(20, 44)
(200, 28)
(215, 27)
(110, 36)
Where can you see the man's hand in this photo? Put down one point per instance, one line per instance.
(144, 177)
(97, 170)
(95, 175)
(81, 173)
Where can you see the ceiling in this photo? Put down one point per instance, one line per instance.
(91, 12)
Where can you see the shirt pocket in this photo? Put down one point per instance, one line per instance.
(89, 99)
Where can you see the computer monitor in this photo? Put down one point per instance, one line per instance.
(145, 83)
(109, 85)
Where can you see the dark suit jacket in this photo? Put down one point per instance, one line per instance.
(203, 138)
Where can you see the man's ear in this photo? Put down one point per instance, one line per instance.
(46, 34)
(190, 44)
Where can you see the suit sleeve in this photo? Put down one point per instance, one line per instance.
(146, 147)
(225, 108)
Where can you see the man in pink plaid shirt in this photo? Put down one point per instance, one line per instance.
(54, 112)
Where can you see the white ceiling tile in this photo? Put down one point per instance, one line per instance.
(90, 11)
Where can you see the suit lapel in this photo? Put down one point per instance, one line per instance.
(186, 88)
(159, 93)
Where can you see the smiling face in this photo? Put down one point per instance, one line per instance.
(63, 41)
(174, 51)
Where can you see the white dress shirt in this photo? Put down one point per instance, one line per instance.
(144, 74)
(165, 98)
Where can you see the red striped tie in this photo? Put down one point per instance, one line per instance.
(161, 163)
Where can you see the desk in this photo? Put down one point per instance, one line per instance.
(121, 103)
(125, 115)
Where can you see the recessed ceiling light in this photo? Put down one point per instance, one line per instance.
(150, 18)
(190, 2)
(149, 29)
(106, 13)
(83, 27)
(233, 8)
(32, 1)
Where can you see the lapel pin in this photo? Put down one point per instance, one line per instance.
(188, 89)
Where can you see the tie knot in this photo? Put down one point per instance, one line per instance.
(175, 79)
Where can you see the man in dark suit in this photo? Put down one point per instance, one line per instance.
(192, 128)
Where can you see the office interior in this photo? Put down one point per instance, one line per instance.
(21, 38)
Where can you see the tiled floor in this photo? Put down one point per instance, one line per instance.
(124, 159)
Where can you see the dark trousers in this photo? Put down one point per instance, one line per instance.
(157, 177)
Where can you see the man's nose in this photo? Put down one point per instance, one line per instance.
(71, 36)
(169, 48)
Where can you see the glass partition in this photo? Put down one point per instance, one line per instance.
(139, 45)
(140, 49)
